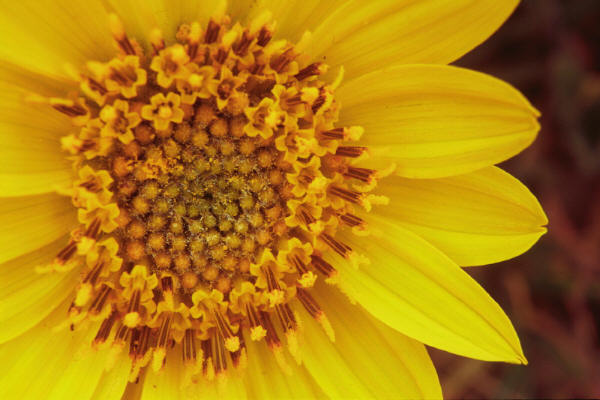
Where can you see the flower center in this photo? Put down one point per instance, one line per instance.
(212, 183)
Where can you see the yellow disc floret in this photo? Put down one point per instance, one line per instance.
(212, 185)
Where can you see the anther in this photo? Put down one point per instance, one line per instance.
(362, 174)
(315, 311)
(280, 63)
(300, 266)
(311, 70)
(92, 276)
(207, 364)
(352, 220)
(118, 31)
(323, 266)
(264, 36)
(166, 284)
(193, 40)
(96, 86)
(286, 317)
(132, 318)
(105, 328)
(345, 133)
(273, 342)
(189, 347)
(306, 217)
(70, 109)
(232, 342)
(140, 342)
(157, 41)
(333, 134)
(93, 229)
(66, 253)
(100, 300)
(238, 357)
(257, 330)
(319, 102)
(350, 151)
(220, 360)
(212, 32)
(345, 194)
(241, 47)
(160, 352)
(271, 335)
(341, 248)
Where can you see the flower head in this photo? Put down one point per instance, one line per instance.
(285, 208)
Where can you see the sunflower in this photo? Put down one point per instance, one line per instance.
(263, 199)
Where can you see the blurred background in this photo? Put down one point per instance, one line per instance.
(550, 50)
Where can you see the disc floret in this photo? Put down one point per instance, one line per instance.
(212, 185)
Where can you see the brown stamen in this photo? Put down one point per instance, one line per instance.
(66, 253)
(348, 195)
(189, 347)
(264, 36)
(105, 328)
(362, 174)
(337, 246)
(350, 151)
(212, 32)
(271, 338)
(71, 111)
(352, 220)
(241, 47)
(100, 299)
(311, 70)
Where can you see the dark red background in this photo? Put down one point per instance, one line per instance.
(550, 50)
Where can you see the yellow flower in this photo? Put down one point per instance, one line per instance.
(261, 199)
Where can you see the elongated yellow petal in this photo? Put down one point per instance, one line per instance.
(435, 121)
(414, 288)
(47, 364)
(29, 223)
(292, 17)
(478, 218)
(133, 391)
(170, 383)
(167, 383)
(31, 160)
(27, 297)
(44, 35)
(384, 362)
(321, 355)
(141, 16)
(112, 384)
(265, 379)
(366, 35)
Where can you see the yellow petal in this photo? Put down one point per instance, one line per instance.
(169, 383)
(29, 223)
(27, 297)
(112, 384)
(51, 365)
(166, 383)
(436, 121)
(265, 379)
(133, 391)
(367, 35)
(292, 17)
(414, 288)
(43, 35)
(478, 218)
(383, 362)
(31, 160)
(141, 16)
